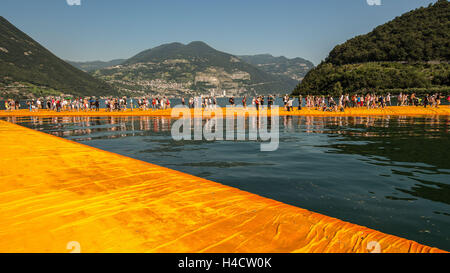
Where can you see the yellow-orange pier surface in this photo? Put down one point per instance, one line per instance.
(362, 111)
(57, 196)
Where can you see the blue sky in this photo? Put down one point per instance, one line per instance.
(110, 29)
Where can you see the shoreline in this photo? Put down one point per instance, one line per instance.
(388, 111)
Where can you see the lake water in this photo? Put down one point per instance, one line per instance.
(387, 173)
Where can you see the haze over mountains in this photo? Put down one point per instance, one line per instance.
(176, 69)
(27, 69)
(295, 68)
(95, 65)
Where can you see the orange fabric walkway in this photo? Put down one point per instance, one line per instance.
(54, 191)
(393, 110)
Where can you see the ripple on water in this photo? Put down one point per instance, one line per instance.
(388, 173)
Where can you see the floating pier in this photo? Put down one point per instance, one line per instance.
(362, 111)
(60, 196)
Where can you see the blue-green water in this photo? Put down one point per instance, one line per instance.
(387, 173)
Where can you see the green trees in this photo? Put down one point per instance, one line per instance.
(419, 35)
(410, 52)
(353, 78)
(337, 89)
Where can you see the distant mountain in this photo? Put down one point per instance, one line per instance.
(408, 54)
(196, 68)
(29, 70)
(295, 69)
(95, 65)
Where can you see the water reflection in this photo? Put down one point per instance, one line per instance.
(388, 139)
(124, 126)
(387, 173)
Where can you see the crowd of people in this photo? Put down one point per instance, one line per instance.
(200, 102)
(55, 104)
(153, 103)
(433, 100)
(257, 102)
(11, 104)
(324, 103)
(89, 104)
(370, 101)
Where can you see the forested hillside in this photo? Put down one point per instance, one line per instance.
(27, 69)
(411, 53)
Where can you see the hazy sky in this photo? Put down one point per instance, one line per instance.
(110, 29)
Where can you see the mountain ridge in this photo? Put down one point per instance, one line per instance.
(89, 66)
(27, 69)
(294, 68)
(418, 35)
(193, 68)
(408, 54)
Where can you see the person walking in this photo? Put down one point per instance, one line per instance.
(244, 102)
